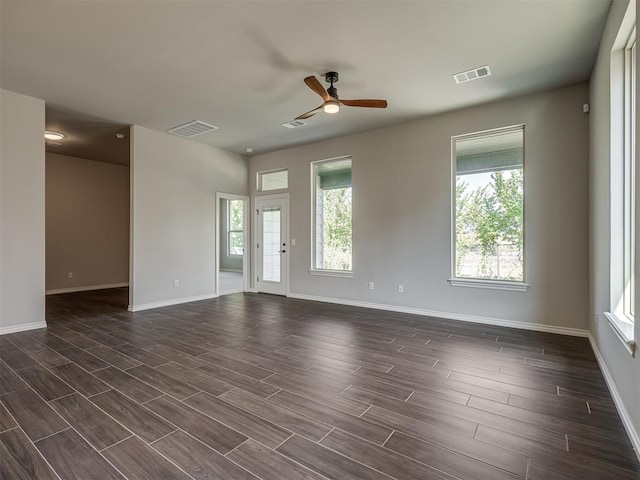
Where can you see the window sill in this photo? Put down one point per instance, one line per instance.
(623, 330)
(331, 273)
(490, 284)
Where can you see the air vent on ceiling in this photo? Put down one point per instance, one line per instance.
(294, 124)
(192, 129)
(474, 74)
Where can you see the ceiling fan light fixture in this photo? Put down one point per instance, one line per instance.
(331, 106)
(50, 135)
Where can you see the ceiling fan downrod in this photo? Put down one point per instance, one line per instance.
(332, 77)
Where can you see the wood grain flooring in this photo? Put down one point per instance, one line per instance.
(260, 387)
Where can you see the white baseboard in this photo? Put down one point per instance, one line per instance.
(634, 435)
(86, 288)
(22, 328)
(501, 322)
(168, 303)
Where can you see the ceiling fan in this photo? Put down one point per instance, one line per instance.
(331, 100)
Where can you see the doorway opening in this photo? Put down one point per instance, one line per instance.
(232, 235)
(87, 207)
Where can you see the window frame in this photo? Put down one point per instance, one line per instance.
(623, 179)
(314, 186)
(479, 282)
(259, 182)
(629, 207)
(230, 231)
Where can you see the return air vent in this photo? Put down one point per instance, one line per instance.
(474, 74)
(192, 129)
(294, 124)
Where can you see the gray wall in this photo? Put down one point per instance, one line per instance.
(87, 214)
(402, 213)
(226, 262)
(22, 174)
(173, 202)
(623, 369)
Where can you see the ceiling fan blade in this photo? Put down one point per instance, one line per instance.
(310, 113)
(365, 103)
(313, 83)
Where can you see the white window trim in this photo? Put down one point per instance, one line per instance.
(511, 286)
(493, 284)
(322, 271)
(629, 173)
(623, 329)
(331, 273)
(622, 217)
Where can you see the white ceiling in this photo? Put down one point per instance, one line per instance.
(240, 65)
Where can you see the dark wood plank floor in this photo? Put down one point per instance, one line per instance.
(253, 386)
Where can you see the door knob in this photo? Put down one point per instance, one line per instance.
(283, 251)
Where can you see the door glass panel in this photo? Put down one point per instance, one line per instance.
(271, 244)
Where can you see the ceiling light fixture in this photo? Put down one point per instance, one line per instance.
(249, 150)
(49, 135)
(331, 106)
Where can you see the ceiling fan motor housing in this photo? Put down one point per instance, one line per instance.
(331, 77)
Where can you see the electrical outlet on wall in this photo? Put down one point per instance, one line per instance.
(176, 283)
(400, 288)
(370, 285)
(70, 275)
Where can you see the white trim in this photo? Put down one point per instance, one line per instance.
(634, 435)
(331, 273)
(22, 328)
(491, 284)
(132, 213)
(168, 303)
(501, 322)
(620, 328)
(86, 288)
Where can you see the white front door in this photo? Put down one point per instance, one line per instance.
(272, 244)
